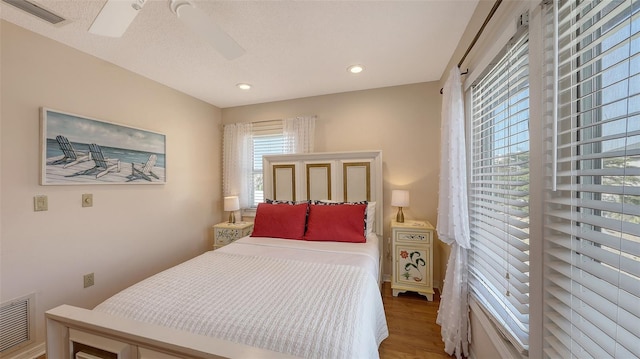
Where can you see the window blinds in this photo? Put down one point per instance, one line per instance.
(592, 220)
(499, 192)
(268, 139)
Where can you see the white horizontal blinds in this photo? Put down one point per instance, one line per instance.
(268, 139)
(592, 234)
(499, 192)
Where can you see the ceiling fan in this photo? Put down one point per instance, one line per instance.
(116, 16)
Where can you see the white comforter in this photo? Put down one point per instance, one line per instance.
(306, 308)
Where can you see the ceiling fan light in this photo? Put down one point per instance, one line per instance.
(175, 4)
(355, 69)
(244, 86)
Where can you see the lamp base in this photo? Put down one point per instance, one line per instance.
(232, 217)
(400, 216)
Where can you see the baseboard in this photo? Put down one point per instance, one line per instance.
(29, 353)
(386, 277)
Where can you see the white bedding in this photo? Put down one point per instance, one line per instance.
(313, 300)
(364, 255)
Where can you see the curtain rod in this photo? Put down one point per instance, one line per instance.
(282, 119)
(462, 73)
(475, 39)
(275, 119)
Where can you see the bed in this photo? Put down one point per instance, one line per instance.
(306, 283)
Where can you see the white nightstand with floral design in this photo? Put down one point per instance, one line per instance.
(412, 248)
(225, 232)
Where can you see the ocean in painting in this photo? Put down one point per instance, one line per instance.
(122, 154)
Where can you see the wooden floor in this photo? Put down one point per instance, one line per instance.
(413, 332)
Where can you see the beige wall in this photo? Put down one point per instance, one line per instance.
(132, 231)
(402, 121)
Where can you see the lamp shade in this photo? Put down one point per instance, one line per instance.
(400, 198)
(231, 203)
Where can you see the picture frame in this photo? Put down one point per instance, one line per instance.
(78, 150)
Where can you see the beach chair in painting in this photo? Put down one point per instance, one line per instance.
(71, 156)
(145, 171)
(103, 165)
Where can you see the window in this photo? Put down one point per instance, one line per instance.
(267, 138)
(592, 220)
(499, 192)
(244, 145)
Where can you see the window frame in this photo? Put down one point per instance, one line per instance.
(484, 294)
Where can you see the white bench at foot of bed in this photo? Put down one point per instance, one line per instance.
(71, 329)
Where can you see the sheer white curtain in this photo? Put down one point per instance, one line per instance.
(237, 155)
(298, 134)
(453, 219)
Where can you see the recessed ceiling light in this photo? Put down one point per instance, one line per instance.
(244, 86)
(355, 69)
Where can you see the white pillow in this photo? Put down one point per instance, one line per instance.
(371, 217)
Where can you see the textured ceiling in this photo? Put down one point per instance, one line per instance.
(293, 48)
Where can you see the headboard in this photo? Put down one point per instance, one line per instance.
(336, 176)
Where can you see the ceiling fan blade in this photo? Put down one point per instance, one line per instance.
(203, 25)
(115, 17)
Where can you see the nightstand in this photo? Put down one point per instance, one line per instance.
(412, 249)
(225, 232)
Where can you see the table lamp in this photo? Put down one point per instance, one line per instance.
(400, 198)
(231, 204)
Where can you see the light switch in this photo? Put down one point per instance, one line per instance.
(87, 200)
(40, 203)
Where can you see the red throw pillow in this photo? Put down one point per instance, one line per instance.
(338, 223)
(280, 220)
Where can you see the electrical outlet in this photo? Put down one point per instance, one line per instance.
(88, 280)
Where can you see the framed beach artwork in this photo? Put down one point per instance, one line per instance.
(77, 150)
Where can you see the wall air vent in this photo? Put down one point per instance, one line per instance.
(36, 10)
(17, 323)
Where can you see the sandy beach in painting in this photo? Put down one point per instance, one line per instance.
(56, 174)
